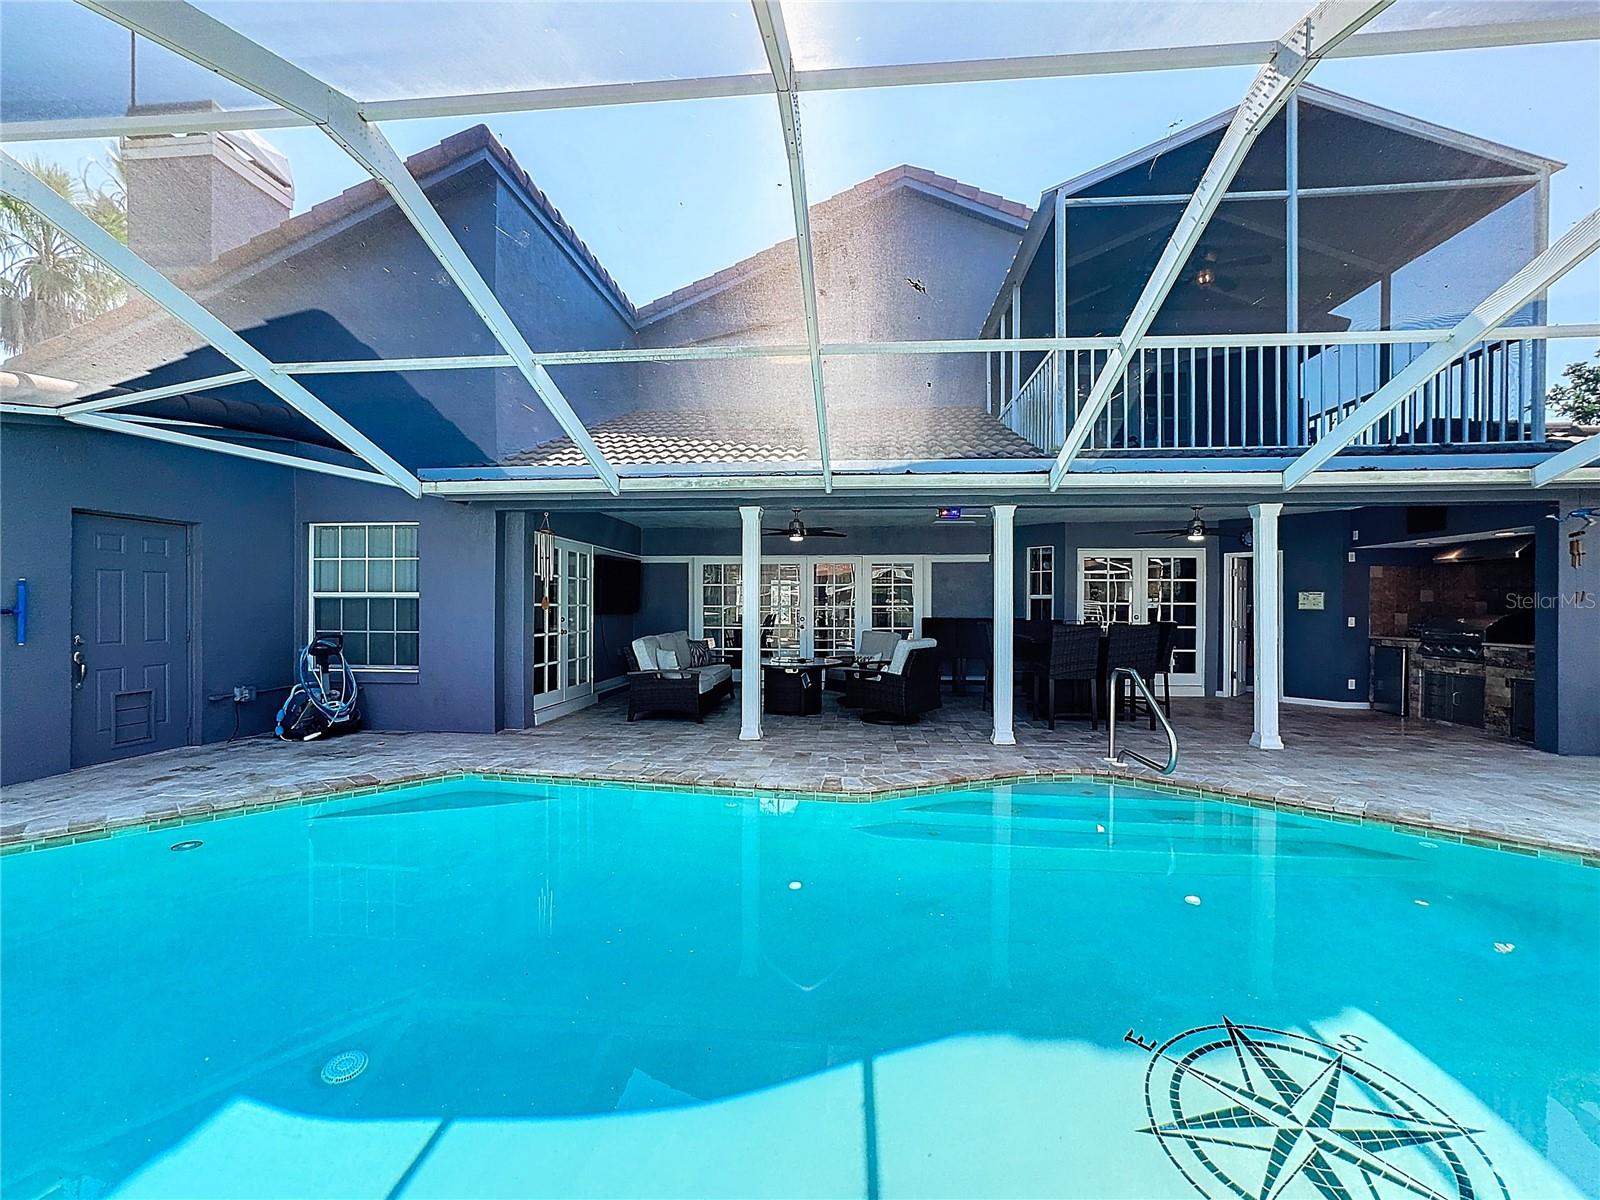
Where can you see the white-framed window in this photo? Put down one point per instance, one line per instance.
(720, 601)
(1041, 583)
(364, 586)
(893, 597)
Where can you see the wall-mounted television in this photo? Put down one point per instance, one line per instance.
(616, 585)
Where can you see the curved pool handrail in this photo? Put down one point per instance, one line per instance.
(1112, 755)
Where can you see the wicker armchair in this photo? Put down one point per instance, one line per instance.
(690, 691)
(907, 687)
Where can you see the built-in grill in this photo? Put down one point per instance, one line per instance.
(1461, 639)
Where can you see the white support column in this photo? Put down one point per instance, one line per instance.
(1002, 561)
(1016, 332)
(1291, 215)
(1058, 408)
(1267, 572)
(750, 623)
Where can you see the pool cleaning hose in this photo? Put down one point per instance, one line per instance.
(323, 699)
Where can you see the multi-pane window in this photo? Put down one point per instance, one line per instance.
(1042, 583)
(833, 607)
(364, 586)
(1172, 592)
(894, 597)
(719, 604)
(1106, 588)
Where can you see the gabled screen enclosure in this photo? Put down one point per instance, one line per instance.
(611, 244)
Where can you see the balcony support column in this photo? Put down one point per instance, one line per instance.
(1267, 572)
(1002, 561)
(750, 623)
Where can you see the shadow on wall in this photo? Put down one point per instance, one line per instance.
(424, 419)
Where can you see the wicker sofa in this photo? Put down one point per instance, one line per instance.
(669, 673)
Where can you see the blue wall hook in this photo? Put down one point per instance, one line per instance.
(19, 610)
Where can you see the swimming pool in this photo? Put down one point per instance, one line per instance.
(1068, 989)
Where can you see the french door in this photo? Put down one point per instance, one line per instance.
(563, 628)
(1144, 586)
(811, 604)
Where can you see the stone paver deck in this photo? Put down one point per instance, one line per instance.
(1353, 763)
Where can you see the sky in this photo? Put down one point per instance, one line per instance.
(667, 193)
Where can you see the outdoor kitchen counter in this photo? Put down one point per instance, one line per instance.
(1507, 671)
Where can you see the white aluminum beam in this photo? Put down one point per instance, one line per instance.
(986, 346)
(1560, 466)
(1379, 481)
(128, 399)
(18, 182)
(162, 433)
(774, 38)
(1323, 28)
(1577, 27)
(1572, 248)
(209, 43)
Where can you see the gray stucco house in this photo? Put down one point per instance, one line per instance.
(225, 566)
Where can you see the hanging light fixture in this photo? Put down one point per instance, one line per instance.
(1197, 528)
(544, 558)
(797, 529)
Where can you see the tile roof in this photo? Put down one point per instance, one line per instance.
(739, 434)
(172, 339)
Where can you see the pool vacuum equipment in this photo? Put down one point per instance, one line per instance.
(323, 699)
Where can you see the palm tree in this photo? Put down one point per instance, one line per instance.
(48, 283)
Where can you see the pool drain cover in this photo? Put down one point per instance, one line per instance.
(344, 1066)
(191, 844)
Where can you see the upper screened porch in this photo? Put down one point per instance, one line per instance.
(1352, 239)
(335, 255)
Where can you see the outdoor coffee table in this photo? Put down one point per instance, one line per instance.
(792, 687)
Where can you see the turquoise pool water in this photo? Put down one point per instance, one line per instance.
(1044, 989)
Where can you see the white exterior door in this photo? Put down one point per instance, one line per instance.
(812, 605)
(563, 629)
(784, 627)
(834, 601)
(1142, 586)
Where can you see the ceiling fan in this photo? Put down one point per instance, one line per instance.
(1208, 276)
(796, 530)
(1194, 531)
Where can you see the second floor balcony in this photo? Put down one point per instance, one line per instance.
(1266, 394)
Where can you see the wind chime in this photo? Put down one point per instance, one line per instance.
(544, 558)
